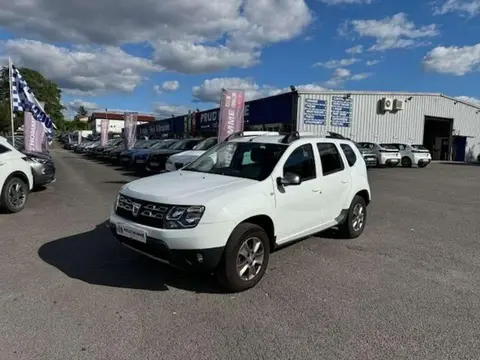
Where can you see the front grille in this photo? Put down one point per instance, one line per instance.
(141, 211)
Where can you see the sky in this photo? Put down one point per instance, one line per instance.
(171, 56)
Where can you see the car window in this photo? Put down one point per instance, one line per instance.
(349, 154)
(330, 157)
(301, 162)
(419, 147)
(3, 149)
(248, 160)
(388, 146)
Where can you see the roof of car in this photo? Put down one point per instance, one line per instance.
(277, 139)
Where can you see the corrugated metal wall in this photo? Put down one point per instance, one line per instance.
(368, 123)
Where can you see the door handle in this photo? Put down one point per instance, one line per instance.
(318, 191)
(344, 181)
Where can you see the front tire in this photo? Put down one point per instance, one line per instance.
(14, 195)
(245, 258)
(356, 219)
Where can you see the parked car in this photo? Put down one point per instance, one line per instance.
(43, 168)
(413, 155)
(156, 160)
(127, 157)
(387, 155)
(228, 209)
(368, 156)
(177, 161)
(16, 179)
(98, 150)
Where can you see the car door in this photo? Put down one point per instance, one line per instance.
(297, 206)
(335, 180)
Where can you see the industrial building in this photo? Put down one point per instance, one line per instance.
(448, 127)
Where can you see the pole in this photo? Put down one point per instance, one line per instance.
(10, 74)
(106, 118)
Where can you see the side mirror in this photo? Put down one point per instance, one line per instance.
(289, 179)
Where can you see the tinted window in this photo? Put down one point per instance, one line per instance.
(301, 162)
(349, 154)
(3, 149)
(331, 160)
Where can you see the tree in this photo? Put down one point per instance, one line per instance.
(44, 90)
(81, 112)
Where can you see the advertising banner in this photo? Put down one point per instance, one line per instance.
(130, 130)
(232, 107)
(34, 133)
(104, 132)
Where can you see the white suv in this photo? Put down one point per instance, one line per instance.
(228, 209)
(16, 178)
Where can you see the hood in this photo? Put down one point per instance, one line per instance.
(183, 187)
(186, 156)
(166, 152)
(36, 154)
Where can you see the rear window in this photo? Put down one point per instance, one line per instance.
(388, 146)
(419, 147)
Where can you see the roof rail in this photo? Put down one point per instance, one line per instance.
(332, 135)
(287, 139)
(234, 135)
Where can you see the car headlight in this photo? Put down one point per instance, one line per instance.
(38, 160)
(181, 217)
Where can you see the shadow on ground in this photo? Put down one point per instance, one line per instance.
(96, 257)
(121, 182)
(459, 163)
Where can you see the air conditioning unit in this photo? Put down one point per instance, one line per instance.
(387, 104)
(398, 104)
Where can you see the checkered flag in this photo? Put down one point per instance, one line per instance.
(23, 99)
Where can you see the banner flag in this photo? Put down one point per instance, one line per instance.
(232, 109)
(34, 133)
(24, 100)
(104, 132)
(130, 130)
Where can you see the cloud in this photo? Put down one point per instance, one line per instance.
(186, 36)
(209, 90)
(464, 7)
(165, 110)
(75, 104)
(395, 32)
(82, 70)
(453, 60)
(341, 75)
(167, 86)
(372, 62)
(332, 64)
(469, 99)
(358, 49)
(341, 2)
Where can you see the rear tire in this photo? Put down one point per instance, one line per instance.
(247, 250)
(406, 162)
(356, 219)
(14, 195)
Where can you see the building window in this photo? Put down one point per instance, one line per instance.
(330, 157)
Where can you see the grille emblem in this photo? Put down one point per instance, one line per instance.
(135, 209)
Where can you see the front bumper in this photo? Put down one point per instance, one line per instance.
(200, 247)
(43, 174)
(370, 160)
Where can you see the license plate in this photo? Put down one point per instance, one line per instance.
(140, 161)
(154, 164)
(132, 233)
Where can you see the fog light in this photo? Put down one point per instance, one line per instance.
(200, 258)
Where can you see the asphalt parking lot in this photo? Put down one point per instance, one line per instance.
(408, 288)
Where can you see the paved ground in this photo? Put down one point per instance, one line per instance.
(407, 289)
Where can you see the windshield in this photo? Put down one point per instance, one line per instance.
(248, 160)
(206, 144)
(163, 144)
(389, 146)
(419, 147)
(185, 144)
